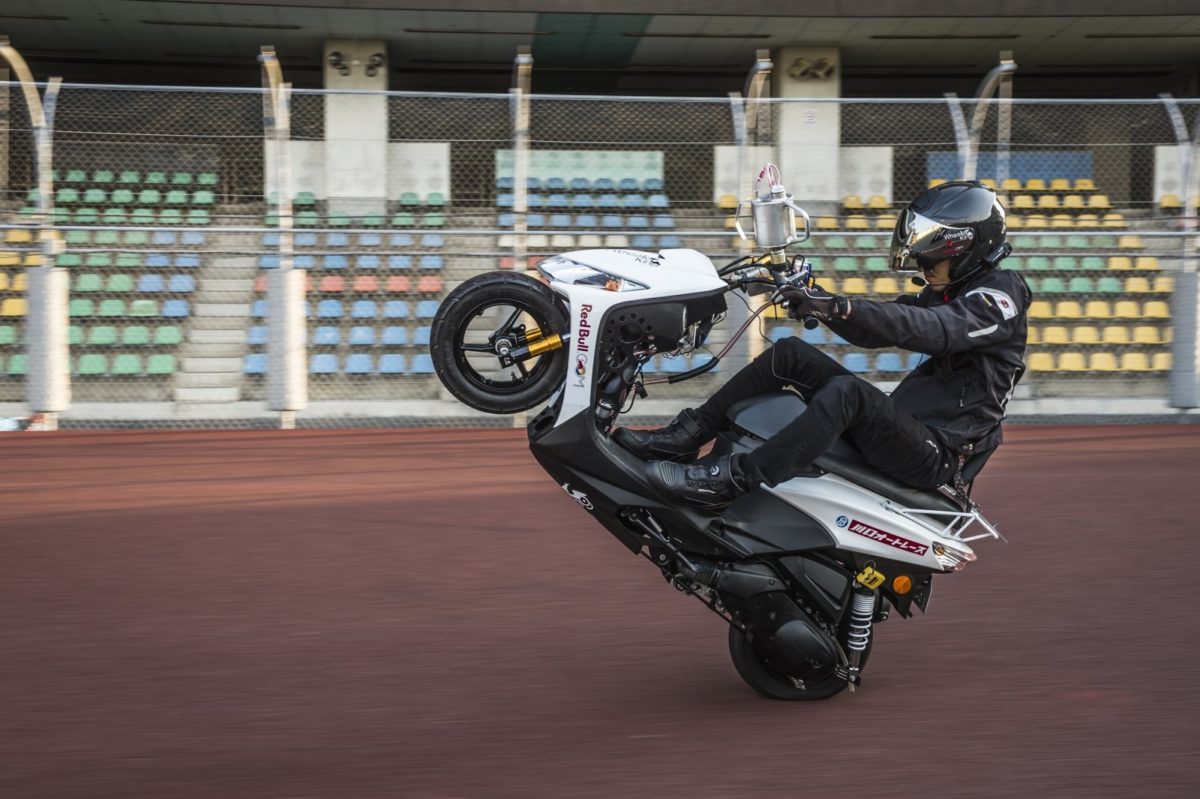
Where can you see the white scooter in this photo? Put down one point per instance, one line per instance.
(801, 571)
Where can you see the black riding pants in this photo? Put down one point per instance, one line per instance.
(890, 438)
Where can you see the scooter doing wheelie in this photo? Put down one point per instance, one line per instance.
(800, 572)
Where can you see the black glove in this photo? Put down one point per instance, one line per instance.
(816, 302)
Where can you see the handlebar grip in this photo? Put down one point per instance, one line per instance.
(810, 322)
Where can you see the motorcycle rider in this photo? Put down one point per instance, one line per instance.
(970, 320)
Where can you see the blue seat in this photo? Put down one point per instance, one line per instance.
(608, 201)
(370, 240)
(392, 364)
(432, 262)
(653, 184)
(326, 336)
(400, 262)
(394, 336)
(779, 332)
(587, 221)
(580, 184)
(558, 201)
(628, 184)
(176, 308)
(555, 184)
(889, 362)
(642, 242)
(305, 239)
(637, 221)
(434, 241)
(505, 182)
(181, 284)
(670, 242)
(360, 363)
(914, 360)
(658, 201)
(160, 261)
(582, 201)
(329, 309)
(664, 222)
(533, 184)
(335, 261)
(258, 309)
(256, 336)
(427, 309)
(337, 240)
(421, 336)
(362, 336)
(611, 221)
(255, 364)
(560, 220)
(395, 309)
(506, 220)
(367, 262)
(323, 364)
(265, 261)
(422, 364)
(633, 201)
(504, 200)
(163, 237)
(604, 184)
(856, 362)
(150, 283)
(270, 240)
(834, 338)
(403, 239)
(815, 336)
(187, 261)
(535, 220)
(363, 309)
(192, 238)
(535, 200)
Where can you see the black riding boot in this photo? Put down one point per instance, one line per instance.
(711, 487)
(679, 441)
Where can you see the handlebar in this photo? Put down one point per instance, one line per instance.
(797, 272)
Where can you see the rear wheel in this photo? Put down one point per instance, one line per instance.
(759, 676)
(481, 321)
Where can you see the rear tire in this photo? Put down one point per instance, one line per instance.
(533, 301)
(758, 676)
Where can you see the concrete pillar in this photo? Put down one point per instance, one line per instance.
(808, 134)
(356, 126)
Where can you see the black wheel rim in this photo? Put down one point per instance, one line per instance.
(475, 348)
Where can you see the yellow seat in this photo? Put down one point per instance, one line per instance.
(852, 202)
(1061, 221)
(885, 221)
(1137, 285)
(1072, 362)
(1121, 263)
(1035, 184)
(1128, 242)
(1126, 309)
(730, 223)
(13, 306)
(1099, 202)
(1085, 184)
(857, 223)
(854, 285)
(1156, 310)
(1060, 184)
(912, 288)
(1041, 362)
(33, 259)
(1048, 202)
(1161, 362)
(1146, 334)
(727, 202)
(1073, 202)
(1068, 309)
(1033, 335)
(991, 184)
(827, 223)
(1010, 185)
(18, 283)
(3, 281)
(1087, 220)
(1097, 309)
(1023, 202)
(1055, 334)
(10, 258)
(1102, 362)
(1115, 334)
(19, 236)
(1134, 362)
(1164, 284)
(1170, 202)
(1167, 335)
(828, 283)
(1114, 220)
(885, 285)
(1040, 309)
(877, 202)
(1036, 221)
(934, 182)
(1085, 335)
(1014, 222)
(1148, 263)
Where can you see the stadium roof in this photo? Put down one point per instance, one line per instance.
(695, 47)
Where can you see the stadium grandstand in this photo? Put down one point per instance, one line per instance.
(386, 159)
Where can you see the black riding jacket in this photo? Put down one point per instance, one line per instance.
(976, 337)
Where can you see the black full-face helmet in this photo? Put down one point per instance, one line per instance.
(961, 220)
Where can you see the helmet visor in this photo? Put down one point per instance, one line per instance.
(920, 242)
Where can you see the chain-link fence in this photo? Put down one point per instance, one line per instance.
(163, 206)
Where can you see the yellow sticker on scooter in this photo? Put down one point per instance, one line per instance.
(871, 578)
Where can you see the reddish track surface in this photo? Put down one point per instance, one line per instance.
(425, 614)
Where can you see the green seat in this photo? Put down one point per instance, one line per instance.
(66, 196)
(149, 197)
(1051, 285)
(74, 335)
(373, 221)
(1093, 263)
(304, 199)
(845, 263)
(128, 260)
(97, 196)
(68, 260)
(176, 197)
(156, 177)
(403, 220)
(130, 176)
(102, 336)
(160, 364)
(1024, 243)
(271, 220)
(409, 198)
(1014, 262)
(203, 197)
(62, 216)
(435, 199)
(1066, 263)
(119, 284)
(834, 243)
(121, 197)
(127, 363)
(141, 216)
(102, 176)
(89, 282)
(87, 216)
(1081, 285)
(434, 220)
(208, 179)
(1109, 285)
(1077, 242)
(307, 219)
(78, 237)
(75, 176)
(17, 364)
(1051, 243)
(137, 238)
(107, 237)
(198, 217)
(99, 260)
(80, 307)
(170, 216)
(114, 216)
(8, 335)
(338, 219)
(92, 364)
(143, 308)
(877, 263)
(181, 179)
(111, 307)
(1037, 263)
(168, 335)
(865, 243)
(1104, 242)
(135, 336)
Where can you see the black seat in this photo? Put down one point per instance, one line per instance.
(763, 416)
